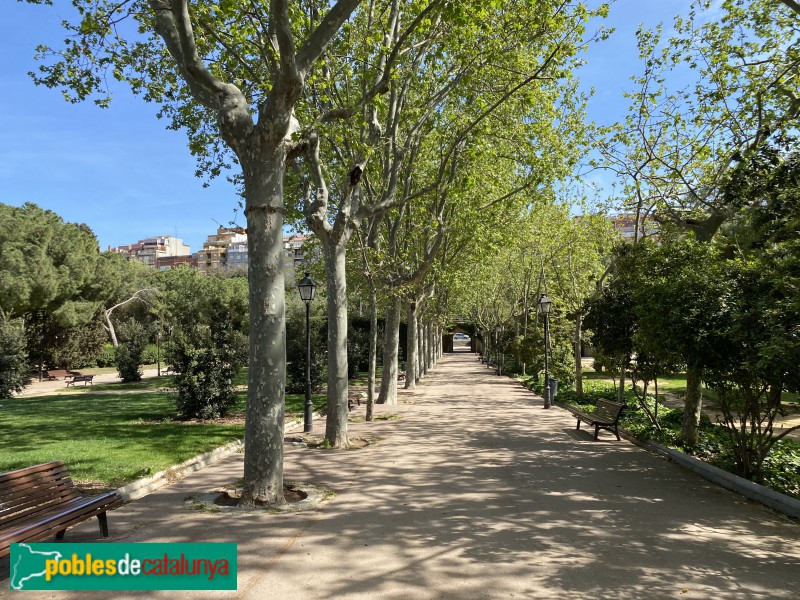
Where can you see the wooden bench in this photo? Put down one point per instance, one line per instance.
(57, 374)
(401, 376)
(605, 416)
(40, 501)
(78, 378)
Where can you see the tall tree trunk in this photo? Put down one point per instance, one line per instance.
(429, 346)
(431, 338)
(373, 350)
(420, 347)
(336, 283)
(621, 388)
(426, 347)
(578, 352)
(263, 439)
(693, 405)
(112, 332)
(411, 347)
(391, 346)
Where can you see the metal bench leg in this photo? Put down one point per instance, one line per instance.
(596, 431)
(60, 534)
(103, 519)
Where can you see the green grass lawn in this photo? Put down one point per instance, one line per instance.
(676, 385)
(111, 437)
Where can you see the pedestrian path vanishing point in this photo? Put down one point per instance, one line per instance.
(479, 492)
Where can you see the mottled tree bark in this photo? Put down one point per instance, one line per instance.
(263, 446)
(336, 283)
(373, 350)
(423, 349)
(391, 345)
(412, 347)
(428, 350)
(693, 405)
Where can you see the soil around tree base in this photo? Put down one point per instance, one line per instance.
(299, 497)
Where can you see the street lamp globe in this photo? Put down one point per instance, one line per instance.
(545, 303)
(307, 288)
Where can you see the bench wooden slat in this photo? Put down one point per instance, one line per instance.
(40, 501)
(20, 473)
(33, 488)
(57, 518)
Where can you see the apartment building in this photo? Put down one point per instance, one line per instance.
(173, 262)
(225, 250)
(293, 255)
(155, 250)
(214, 255)
(625, 224)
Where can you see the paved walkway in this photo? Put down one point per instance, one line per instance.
(478, 492)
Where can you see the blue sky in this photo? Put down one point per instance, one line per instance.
(120, 171)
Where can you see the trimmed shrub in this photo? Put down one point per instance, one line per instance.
(107, 356)
(133, 339)
(207, 359)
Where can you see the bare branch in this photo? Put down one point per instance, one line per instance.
(109, 325)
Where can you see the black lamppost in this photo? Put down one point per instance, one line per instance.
(544, 306)
(307, 289)
(498, 331)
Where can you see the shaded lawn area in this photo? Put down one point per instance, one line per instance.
(113, 438)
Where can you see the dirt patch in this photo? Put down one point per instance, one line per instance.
(353, 443)
(388, 417)
(230, 497)
(225, 500)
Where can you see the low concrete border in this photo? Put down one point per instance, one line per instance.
(141, 487)
(769, 497)
(749, 489)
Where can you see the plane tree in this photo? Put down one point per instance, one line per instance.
(495, 138)
(350, 116)
(230, 74)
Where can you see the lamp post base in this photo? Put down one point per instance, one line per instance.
(307, 421)
(547, 402)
